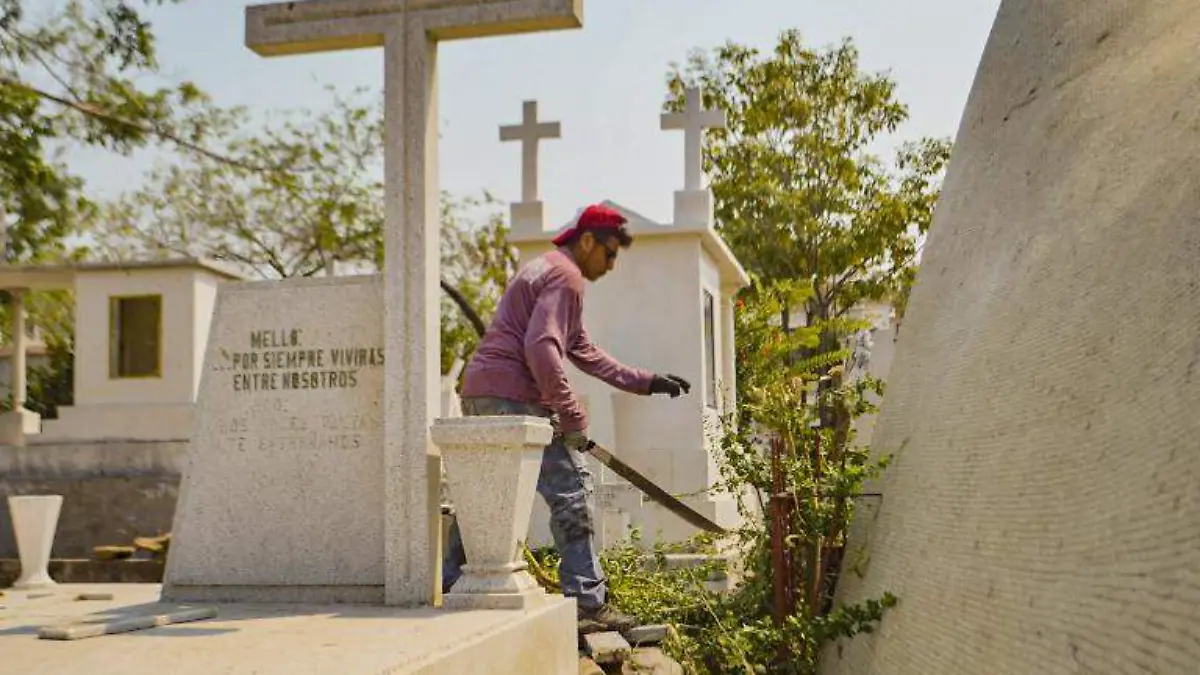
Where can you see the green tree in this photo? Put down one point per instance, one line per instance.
(318, 210)
(801, 197)
(823, 225)
(477, 263)
(48, 385)
(72, 75)
(798, 193)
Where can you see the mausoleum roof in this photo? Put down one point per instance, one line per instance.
(51, 276)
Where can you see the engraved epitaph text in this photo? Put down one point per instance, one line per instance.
(282, 488)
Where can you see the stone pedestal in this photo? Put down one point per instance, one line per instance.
(34, 518)
(492, 466)
(693, 208)
(16, 425)
(528, 217)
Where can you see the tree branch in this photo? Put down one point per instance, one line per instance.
(466, 307)
(837, 285)
(34, 51)
(93, 111)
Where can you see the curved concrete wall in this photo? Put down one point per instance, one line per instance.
(1043, 515)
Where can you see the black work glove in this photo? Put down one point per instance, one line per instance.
(669, 384)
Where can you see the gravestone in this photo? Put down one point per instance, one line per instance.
(1042, 513)
(282, 498)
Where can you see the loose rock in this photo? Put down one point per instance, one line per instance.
(650, 661)
(646, 635)
(607, 647)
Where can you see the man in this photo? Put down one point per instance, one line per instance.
(519, 368)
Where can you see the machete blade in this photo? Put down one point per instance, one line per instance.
(651, 490)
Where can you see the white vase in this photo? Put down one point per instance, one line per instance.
(34, 519)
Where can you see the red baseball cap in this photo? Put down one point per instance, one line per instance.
(594, 217)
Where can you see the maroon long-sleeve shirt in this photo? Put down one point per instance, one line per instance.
(538, 325)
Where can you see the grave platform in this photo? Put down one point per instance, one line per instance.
(285, 638)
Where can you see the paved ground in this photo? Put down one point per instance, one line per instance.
(259, 639)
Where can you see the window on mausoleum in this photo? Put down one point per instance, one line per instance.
(135, 336)
(710, 349)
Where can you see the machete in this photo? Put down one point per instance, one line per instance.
(652, 491)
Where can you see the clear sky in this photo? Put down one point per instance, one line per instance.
(605, 83)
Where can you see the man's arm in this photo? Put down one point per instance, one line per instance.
(545, 348)
(599, 364)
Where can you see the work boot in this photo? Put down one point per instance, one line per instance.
(604, 618)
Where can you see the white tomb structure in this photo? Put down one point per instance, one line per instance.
(667, 307)
(141, 329)
(139, 380)
(873, 349)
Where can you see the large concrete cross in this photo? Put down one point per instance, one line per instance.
(693, 120)
(408, 31)
(529, 132)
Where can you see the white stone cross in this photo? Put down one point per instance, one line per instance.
(693, 121)
(529, 132)
(408, 31)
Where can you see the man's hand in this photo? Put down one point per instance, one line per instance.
(669, 384)
(576, 440)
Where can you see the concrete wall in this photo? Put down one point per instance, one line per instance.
(112, 492)
(1043, 512)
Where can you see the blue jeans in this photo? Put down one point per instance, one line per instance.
(566, 485)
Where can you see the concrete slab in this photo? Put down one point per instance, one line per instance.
(287, 638)
(88, 628)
